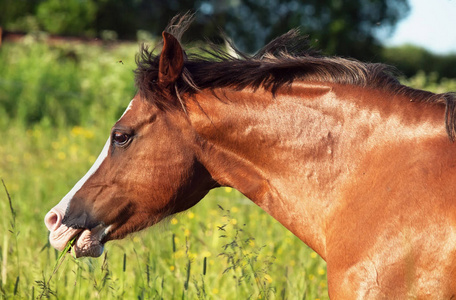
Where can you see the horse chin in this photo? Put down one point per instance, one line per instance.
(88, 242)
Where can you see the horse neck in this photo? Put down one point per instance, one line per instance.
(291, 154)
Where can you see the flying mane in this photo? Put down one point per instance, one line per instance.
(279, 63)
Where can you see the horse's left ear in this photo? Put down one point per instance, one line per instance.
(171, 60)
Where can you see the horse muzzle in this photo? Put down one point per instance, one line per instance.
(63, 228)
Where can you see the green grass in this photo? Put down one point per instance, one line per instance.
(57, 104)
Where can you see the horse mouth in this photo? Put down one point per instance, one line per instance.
(88, 242)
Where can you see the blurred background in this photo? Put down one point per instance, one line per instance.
(356, 28)
(66, 76)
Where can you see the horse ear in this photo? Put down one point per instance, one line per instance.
(171, 60)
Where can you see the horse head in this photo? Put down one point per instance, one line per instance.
(148, 169)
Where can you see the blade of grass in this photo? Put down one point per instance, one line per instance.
(5, 260)
(15, 233)
(204, 266)
(64, 251)
(16, 285)
(13, 212)
(58, 263)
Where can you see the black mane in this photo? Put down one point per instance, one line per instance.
(279, 63)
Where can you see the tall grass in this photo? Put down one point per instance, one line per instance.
(64, 85)
(57, 104)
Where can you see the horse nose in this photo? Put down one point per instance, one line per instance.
(53, 219)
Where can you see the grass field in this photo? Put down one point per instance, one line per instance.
(57, 104)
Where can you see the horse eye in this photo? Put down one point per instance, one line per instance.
(120, 138)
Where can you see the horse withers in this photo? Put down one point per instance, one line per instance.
(358, 166)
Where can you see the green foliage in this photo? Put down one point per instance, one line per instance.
(246, 262)
(64, 85)
(409, 59)
(347, 28)
(430, 82)
(68, 17)
(18, 15)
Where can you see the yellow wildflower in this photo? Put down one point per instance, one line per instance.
(88, 134)
(77, 130)
(206, 254)
(179, 254)
(61, 155)
(191, 255)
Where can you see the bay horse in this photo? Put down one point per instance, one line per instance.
(358, 166)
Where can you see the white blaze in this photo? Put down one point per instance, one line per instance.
(128, 108)
(65, 202)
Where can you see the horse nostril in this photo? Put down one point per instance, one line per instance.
(52, 220)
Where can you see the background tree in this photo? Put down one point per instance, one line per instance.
(409, 58)
(347, 28)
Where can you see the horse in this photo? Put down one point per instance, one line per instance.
(355, 164)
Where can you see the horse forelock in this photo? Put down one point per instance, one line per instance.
(284, 60)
